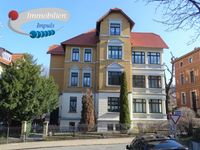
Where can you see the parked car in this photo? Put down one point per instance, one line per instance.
(155, 142)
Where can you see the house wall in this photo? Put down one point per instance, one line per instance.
(104, 27)
(125, 62)
(188, 87)
(57, 70)
(81, 66)
(65, 115)
(100, 89)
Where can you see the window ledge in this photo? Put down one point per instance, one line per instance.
(87, 61)
(113, 86)
(71, 112)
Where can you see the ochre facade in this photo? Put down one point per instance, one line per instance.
(68, 65)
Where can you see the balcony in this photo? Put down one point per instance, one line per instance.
(148, 66)
(148, 116)
(149, 90)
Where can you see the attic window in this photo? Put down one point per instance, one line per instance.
(114, 28)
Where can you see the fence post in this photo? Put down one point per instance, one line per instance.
(45, 128)
(23, 130)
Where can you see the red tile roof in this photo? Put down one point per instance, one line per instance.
(56, 50)
(16, 56)
(138, 39)
(111, 11)
(85, 39)
(147, 40)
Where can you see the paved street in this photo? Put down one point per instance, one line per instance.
(82, 144)
(92, 147)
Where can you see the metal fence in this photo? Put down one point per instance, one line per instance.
(55, 132)
(9, 134)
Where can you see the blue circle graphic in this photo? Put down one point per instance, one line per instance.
(38, 34)
(53, 32)
(33, 34)
(42, 33)
(46, 33)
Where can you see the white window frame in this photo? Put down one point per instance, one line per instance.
(115, 42)
(148, 62)
(87, 70)
(72, 54)
(141, 51)
(113, 67)
(115, 21)
(182, 98)
(84, 55)
(76, 70)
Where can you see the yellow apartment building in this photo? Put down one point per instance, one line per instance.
(95, 60)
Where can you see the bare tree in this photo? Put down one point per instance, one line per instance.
(187, 120)
(180, 14)
(169, 82)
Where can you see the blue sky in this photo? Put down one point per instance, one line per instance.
(83, 17)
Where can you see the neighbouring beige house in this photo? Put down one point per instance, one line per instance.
(6, 58)
(96, 59)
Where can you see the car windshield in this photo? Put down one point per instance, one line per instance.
(164, 144)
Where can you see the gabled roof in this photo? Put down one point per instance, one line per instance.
(138, 39)
(147, 40)
(111, 11)
(56, 50)
(86, 39)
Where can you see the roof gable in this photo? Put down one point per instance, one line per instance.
(114, 10)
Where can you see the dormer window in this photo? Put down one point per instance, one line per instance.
(115, 28)
(6, 56)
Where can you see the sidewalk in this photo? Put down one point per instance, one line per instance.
(46, 144)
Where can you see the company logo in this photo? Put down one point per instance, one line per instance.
(16, 20)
